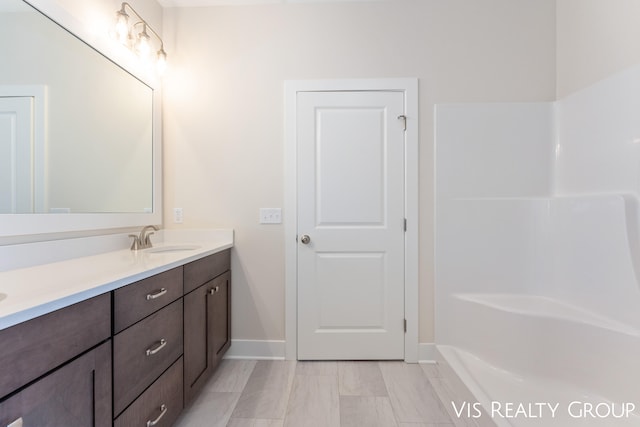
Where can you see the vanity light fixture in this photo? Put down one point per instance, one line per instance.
(136, 36)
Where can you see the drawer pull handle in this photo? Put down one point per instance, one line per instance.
(156, 294)
(214, 290)
(160, 346)
(163, 410)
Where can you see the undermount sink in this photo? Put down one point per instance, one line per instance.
(2, 296)
(172, 248)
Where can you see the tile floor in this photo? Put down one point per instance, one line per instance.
(249, 393)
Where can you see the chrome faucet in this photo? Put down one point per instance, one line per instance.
(142, 241)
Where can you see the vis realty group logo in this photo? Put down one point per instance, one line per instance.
(545, 410)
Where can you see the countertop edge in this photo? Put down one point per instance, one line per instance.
(57, 303)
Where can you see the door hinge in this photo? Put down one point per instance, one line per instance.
(405, 326)
(405, 224)
(404, 121)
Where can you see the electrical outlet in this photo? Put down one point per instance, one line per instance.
(178, 216)
(270, 215)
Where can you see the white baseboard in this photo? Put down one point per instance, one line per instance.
(256, 349)
(427, 353)
(275, 350)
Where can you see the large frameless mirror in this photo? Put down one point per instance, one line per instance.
(76, 131)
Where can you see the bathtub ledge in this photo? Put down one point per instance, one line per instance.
(541, 306)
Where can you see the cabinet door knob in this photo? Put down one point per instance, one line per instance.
(214, 290)
(163, 410)
(160, 346)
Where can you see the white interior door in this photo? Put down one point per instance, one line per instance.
(350, 197)
(16, 155)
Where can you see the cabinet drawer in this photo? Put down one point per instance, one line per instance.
(77, 394)
(142, 352)
(201, 271)
(138, 300)
(44, 343)
(162, 402)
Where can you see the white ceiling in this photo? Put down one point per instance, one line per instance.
(196, 3)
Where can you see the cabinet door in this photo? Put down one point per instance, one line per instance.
(196, 361)
(77, 394)
(207, 332)
(219, 323)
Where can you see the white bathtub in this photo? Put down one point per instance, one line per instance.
(537, 302)
(526, 349)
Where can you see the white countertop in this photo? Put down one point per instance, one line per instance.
(41, 289)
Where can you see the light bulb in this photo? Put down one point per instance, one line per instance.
(122, 26)
(143, 47)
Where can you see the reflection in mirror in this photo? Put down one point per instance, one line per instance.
(75, 128)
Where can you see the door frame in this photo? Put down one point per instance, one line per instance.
(39, 95)
(409, 87)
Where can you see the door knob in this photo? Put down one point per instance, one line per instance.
(305, 239)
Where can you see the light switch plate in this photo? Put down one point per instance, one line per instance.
(270, 215)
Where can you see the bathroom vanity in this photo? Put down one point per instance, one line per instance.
(133, 355)
(91, 333)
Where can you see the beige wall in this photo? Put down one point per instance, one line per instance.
(596, 38)
(224, 107)
(223, 114)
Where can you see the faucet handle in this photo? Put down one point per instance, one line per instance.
(135, 245)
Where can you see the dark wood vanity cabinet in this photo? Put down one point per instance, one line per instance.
(55, 370)
(207, 326)
(134, 356)
(76, 394)
(147, 341)
(187, 331)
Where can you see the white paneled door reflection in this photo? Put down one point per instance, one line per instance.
(16, 155)
(350, 225)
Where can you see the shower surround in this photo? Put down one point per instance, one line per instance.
(538, 255)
